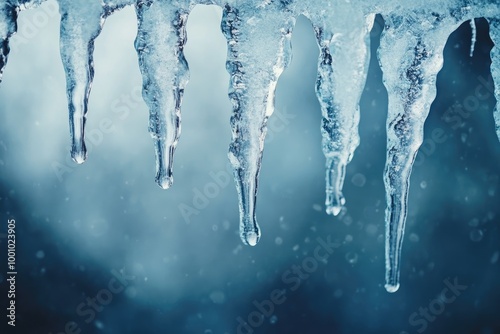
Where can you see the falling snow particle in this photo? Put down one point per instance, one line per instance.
(40, 254)
(476, 235)
(358, 180)
(218, 297)
(474, 222)
(99, 324)
(494, 257)
(278, 241)
(351, 257)
(414, 237)
(371, 229)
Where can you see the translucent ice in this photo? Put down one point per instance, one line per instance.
(258, 40)
(81, 24)
(343, 35)
(159, 44)
(258, 36)
(411, 55)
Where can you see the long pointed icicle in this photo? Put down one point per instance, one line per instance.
(81, 23)
(495, 68)
(411, 58)
(159, 44)
(258, 52)
(8, 27)
(344, 43)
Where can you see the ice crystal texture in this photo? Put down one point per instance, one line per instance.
(258, 36)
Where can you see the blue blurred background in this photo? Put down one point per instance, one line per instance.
(78, 226)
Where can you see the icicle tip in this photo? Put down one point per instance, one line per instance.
(164, 181)
(250, 238)
(79, 156)
(391, 288)
(333, 210)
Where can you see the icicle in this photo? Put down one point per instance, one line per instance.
(474, 37)
(9, 10)
(81, 23)
(258, 52)
(8, 27)
(160, 43)
(344, 42)
(495, 68)
(410, 56)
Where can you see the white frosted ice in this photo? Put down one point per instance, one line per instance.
(8, 27)
(473, 38)
(258, 35)
(495, 67)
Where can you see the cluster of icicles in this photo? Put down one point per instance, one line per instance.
(258, 37)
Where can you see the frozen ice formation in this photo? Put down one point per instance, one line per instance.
(339, 98)
(495, 67)
(411, 55)
(259, 49)
(258, 36)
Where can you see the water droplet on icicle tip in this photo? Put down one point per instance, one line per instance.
(391, 288)
(251, 238)
(79, 156)
(164, 181)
